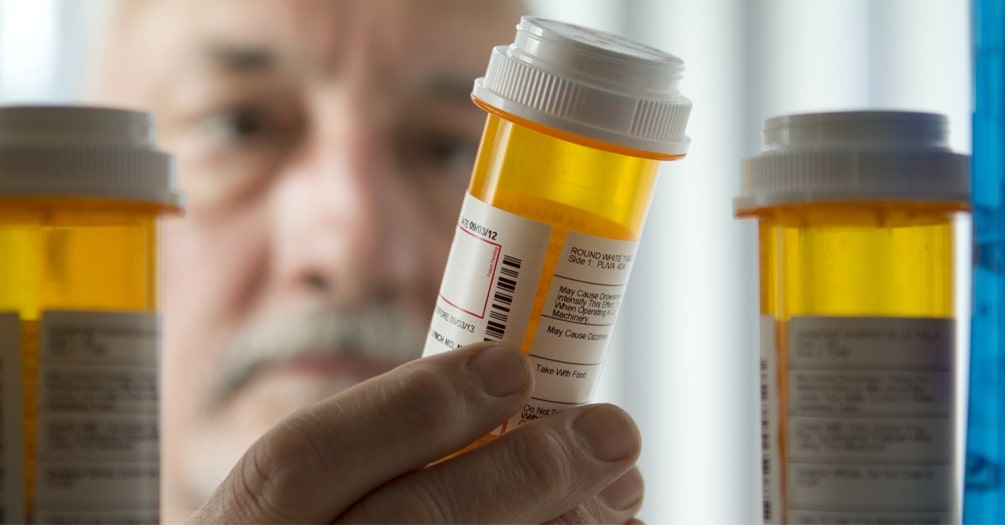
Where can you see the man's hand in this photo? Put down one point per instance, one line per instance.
(367, 454)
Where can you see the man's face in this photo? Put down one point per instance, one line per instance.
(323, 148)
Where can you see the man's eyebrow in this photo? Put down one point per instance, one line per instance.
(449, 87)
(238, 58)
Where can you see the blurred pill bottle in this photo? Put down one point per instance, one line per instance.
(856, 215)
(81, 189)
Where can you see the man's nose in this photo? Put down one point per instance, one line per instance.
(341, 220)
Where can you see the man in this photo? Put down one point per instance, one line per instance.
(323, 148)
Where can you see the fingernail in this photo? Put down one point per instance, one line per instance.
(608, 433)
(625, 492)
(501, 370)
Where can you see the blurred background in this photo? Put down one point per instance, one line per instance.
(684, 362)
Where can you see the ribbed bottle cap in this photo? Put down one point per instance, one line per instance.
(591, 84)
(855, 156)
(77, 151)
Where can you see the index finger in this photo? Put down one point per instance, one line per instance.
(549, 469)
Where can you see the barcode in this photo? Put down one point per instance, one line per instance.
(767, 511)
(764, 380)
(502, 299)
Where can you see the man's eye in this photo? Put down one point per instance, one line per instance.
(234, 126)
(449, 155)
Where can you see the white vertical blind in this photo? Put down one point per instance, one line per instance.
(686, 323)
(29, 42)
(47, 49)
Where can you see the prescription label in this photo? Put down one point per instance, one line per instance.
(490, 279)
(580, 311)
(12, 500)
(493, 281)
(869, 420)
(98, 429)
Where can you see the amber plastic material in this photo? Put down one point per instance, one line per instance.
(71, 254)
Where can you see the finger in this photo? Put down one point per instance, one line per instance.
(618, 503)
(316, 463)
(534, 473)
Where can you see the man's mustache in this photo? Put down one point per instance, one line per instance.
(379, 332)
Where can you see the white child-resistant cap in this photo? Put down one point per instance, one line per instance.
(855, 156)
(590, 84)
(79, 151)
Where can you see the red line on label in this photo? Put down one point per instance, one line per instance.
(494, 267)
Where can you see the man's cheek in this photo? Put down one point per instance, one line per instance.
(190, 270)
(183, 256)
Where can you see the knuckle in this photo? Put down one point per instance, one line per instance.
(577, 515)
(589, 511)
(252, 486)
(546, 462)
(278, 474)
(411, 505)
(426, 399)
(308, 456)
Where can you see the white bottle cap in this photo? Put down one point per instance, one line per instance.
(75, 151)
(855, 156)
(590, 84)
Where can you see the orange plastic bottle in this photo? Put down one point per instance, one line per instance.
(856, 214)
(80, 192)
(578, 124)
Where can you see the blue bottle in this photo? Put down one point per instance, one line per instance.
(984, 477)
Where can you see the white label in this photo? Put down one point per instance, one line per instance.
(12, 509)
(870, 420)
(489, 286)
(98, 430)
(577, 321)
(490, 278)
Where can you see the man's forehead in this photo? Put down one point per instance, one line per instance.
(248, 59)
(154, 44)
(252, 33)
